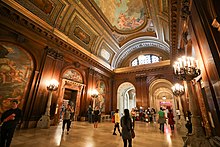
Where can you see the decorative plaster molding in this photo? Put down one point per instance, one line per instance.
(138, 44)
(15, 17)
(53, 53)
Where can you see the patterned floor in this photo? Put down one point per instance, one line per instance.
(82, 134)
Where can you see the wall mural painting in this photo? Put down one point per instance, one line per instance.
(101, 88)
(16, 67)
(124, 15)
(73, 75)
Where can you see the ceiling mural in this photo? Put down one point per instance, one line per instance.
(124, 15)
(125, 25)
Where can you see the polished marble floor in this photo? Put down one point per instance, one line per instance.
(82, 134)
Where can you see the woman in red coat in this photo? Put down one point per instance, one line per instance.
(171, 121)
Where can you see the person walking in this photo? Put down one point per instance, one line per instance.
(161, 119)
(89, 112)
(96, 116)
(9, 120)
(171, 121)
(126, 125)
(133, 115)
(66, 118)
(117, 122)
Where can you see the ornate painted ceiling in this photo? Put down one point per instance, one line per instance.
(111, 30)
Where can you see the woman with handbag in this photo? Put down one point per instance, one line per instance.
(127, 129)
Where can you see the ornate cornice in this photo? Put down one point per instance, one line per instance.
(174, 27)
(53, 53)
(15, 17)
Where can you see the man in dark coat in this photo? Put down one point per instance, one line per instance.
(9, 121)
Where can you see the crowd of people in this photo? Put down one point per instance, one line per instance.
(126, 122)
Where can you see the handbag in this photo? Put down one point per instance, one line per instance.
(132, 133)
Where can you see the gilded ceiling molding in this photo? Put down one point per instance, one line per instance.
(14, 17)
(48, 11)
(136, 45)
(105, 51)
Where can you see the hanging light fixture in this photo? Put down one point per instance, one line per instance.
(178, 89)
(186, 68)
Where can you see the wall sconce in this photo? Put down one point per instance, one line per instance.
(44, 121)
(186, 68)
(94, 95)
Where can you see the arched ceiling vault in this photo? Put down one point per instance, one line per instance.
(107, 29)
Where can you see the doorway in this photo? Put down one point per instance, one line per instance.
(126, 97)
(70, 96)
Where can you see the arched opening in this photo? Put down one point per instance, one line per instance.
(161, 95)
(72, 86)
(126, 97)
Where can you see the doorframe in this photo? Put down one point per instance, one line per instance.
(72, 85)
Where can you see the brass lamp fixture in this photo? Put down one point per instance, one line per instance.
(94, 95)
(178, 89)
(186, 68)
(44, 121)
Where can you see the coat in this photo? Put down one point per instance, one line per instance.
(170, 119)
(126, 128)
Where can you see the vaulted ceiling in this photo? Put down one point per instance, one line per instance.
(112, 31)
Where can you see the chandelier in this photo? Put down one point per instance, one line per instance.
(178, 89)
(186, 68)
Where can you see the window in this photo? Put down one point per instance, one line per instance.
(145, 59)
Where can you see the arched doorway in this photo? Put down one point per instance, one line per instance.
(126, 97)
(161, 95)
(72, 86)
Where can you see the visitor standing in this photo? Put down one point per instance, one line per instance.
(96, 116)
(126, 125)
(162, 119)
(89, 112)
(9, 121)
